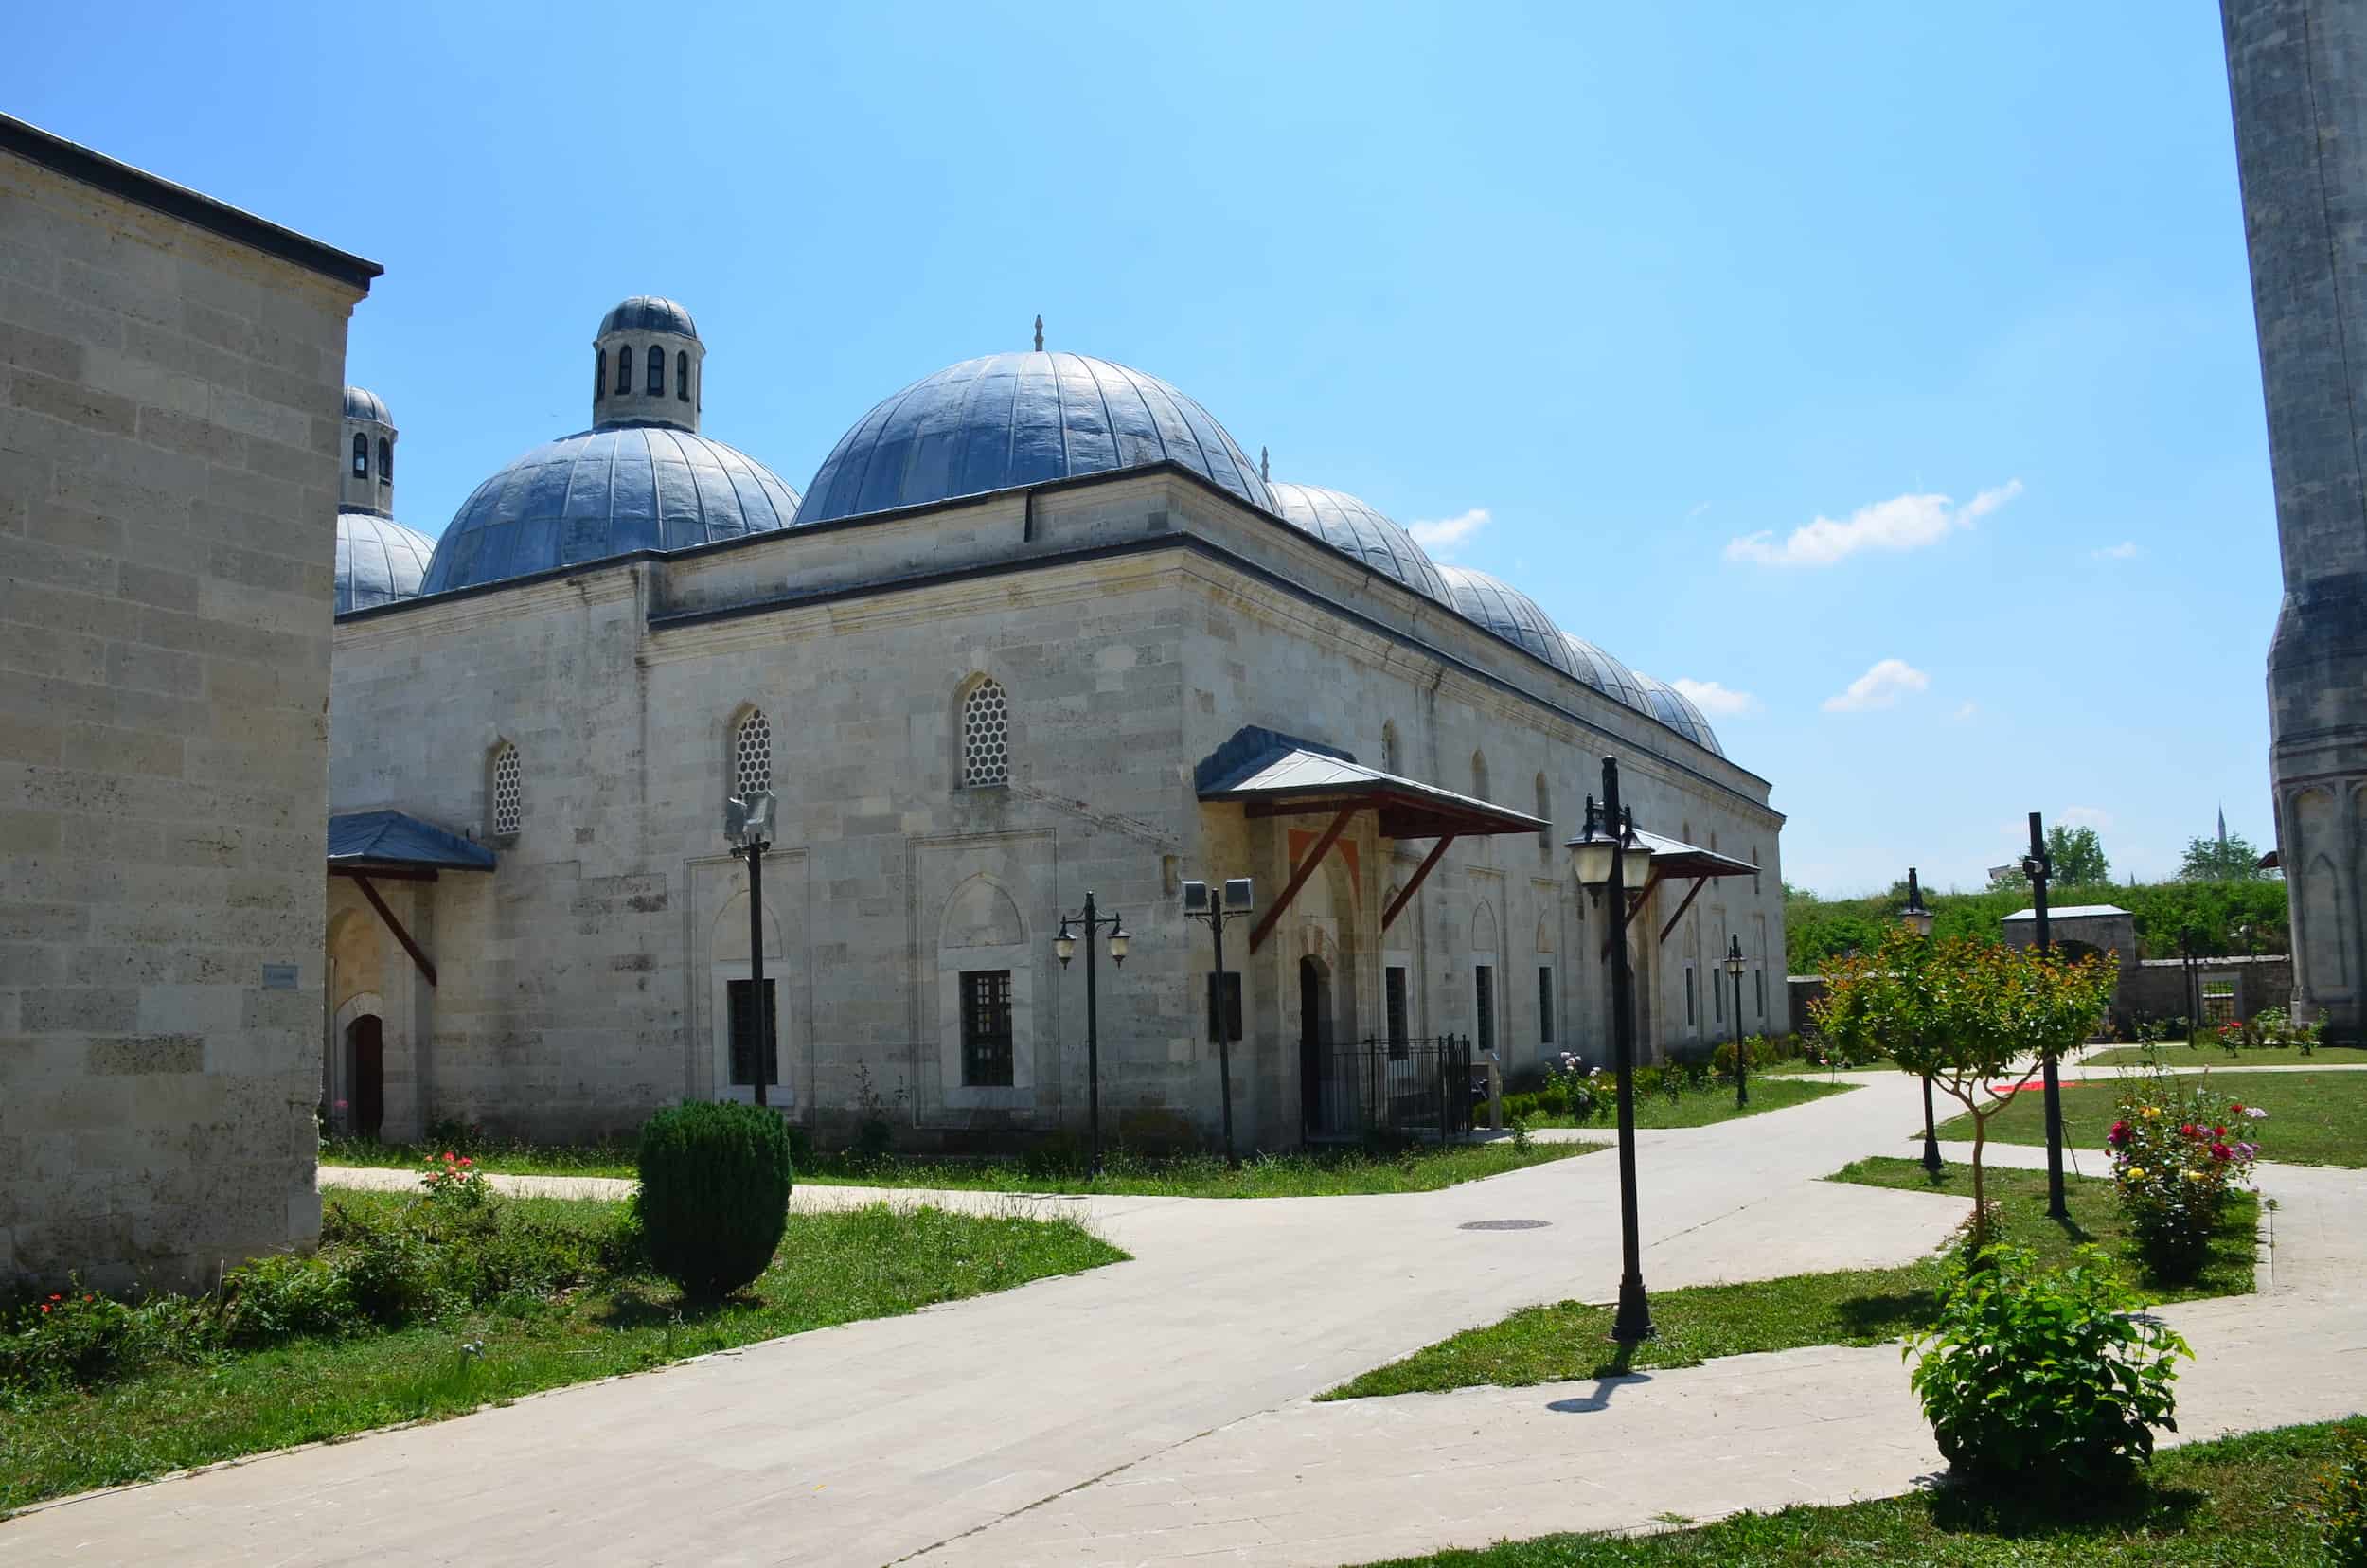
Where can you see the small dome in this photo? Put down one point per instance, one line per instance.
(1345, 523)
(1606, 674)
(1675, 709)
(1508, 613)
(602, 493)
(648, 313)
(378, 561)
(361, 404)
(1010, 419)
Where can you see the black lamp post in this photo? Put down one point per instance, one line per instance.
(2039, 867)
(1918, 919)
(1201, 904)
(1599, 856)
(1064, 949)
(1743, 1063)
(749, 824)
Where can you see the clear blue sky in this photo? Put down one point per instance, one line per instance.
(1635, 281)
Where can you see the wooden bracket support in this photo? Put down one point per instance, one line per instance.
(1298, 877)
(427, 965)
(1405, 895)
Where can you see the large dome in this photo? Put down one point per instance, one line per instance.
(1011, 419)
(606, 493)
(1675, 709)
(378, 561)
(1508, 613)
(1345, 523)
(1606, 674)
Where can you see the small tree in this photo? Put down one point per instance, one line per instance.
(2231, 859)
(1964, 1013)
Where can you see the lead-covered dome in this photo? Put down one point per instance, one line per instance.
(649, 314)
(1011, 419)
(1675, 709)
(378, 561)
(1347, 524)
(1607, 674)
(1508, 613)
(362, 403)
(607, 492)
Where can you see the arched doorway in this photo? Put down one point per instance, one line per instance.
(1314, 1039)
(366, 1041)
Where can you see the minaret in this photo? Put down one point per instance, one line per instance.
(2297, 72)
(368, 453)
(647, 365)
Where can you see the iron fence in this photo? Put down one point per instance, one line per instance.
(1418, 1088)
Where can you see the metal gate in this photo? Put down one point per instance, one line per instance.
(1418, 1088)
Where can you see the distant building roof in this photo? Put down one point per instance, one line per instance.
(2071, 912)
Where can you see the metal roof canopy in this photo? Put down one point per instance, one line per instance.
(1674, 859)
(363, 844)
(1272, 775)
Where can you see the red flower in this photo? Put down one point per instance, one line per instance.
(2218, 1131)
(45, 1306)
(2235, 1107)
(2119, 1134)
(2220, 1152)
(464, 1160)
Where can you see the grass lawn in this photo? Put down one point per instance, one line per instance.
(1569, 1339)
(2314, 1118)
(831, 1269)
(1317, 1174)
(1704, 1107)
(2180, 1057)
(2237, 1501)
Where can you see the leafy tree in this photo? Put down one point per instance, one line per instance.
(1962, 1013)
(2078, 855)
(2210, 860)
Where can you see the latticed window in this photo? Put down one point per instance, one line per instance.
(986, 736)
(1394, 1006)
(986, 1028)
(752, 756)
(1484, 978)
(508, 798)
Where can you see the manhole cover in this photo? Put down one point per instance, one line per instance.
(1505, 1225)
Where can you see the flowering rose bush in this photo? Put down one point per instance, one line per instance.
(456, 1181)
(2178, 1150)
(1577, 1083)
(73, 1336)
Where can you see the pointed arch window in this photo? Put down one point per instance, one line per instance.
(986, 735)
(599, 375)
(1479, 776)
(682, 375)
(360, 455)
(657, 371)
(1391, 762)
(508, 794)
(752, 755)
(386, 461)
(624, 368)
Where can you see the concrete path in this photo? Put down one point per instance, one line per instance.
(1010, 1428)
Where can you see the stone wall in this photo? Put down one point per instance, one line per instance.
(170, 385)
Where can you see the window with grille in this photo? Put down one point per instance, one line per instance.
(1544, 1005)
(508, 799)
(1393, 990)
(986, 736)
(1718, 997)
(2218, 999)
(1692, 1017)
(752, 756)
(986, 1028)
(1760, 976)
(1484, 982)
(741, 1001)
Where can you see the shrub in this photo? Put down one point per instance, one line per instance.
(2174, 1163)
(2341, 1510)
(714, 1194)
(2044, 1376)
(278, 1297)
(454, 1179)
(75, 1336)
(390, 1274)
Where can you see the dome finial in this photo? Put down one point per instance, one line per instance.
(1265, 469)
(1038, 334)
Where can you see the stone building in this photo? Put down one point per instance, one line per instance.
(169, 371)
(2296, 76)
(1039, 626)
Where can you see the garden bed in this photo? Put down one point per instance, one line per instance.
(2314, 1118)
(1570, 1339)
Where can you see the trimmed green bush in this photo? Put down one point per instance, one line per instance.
(714, 1195)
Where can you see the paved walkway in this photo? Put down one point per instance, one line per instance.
(1158, 1410)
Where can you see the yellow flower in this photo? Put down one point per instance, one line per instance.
(2135, 1174)
(2192, 1175)
(2150, 1111)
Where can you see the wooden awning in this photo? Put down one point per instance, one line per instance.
(398, 847)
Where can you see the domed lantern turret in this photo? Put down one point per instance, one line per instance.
(647, 367)
(369, 455)
(378, 561)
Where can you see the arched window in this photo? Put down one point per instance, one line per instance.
(599, 375)
(624, 368)
(657, 371)
(1479, 776)
(1544, 814)
(1390, 760)
(752, 755)
(386, 461)
(986, 735)
(360, 455)
(508, 798)
(682, 375)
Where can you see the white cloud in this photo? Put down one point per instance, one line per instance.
(1967, 711)
(2128, 550)
(1879, 687)
(1699, 509)
(2084, 816)
(1715, 701)
(1447, 532)
(1902, 523)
